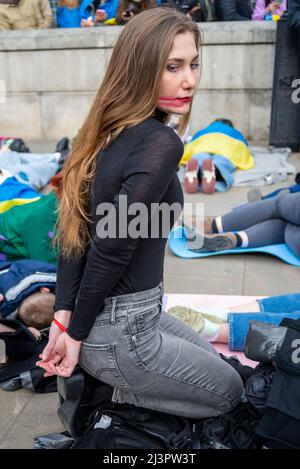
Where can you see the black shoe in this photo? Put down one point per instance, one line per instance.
(63, 157)
(62, 144)
(19, 146)
(63, 148)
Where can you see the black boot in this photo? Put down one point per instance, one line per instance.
(62, 144)
(63, 148)
(63, 157)
(19, 146)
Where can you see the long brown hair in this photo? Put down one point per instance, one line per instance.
(127, 96)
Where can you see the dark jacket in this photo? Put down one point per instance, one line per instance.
(294, 14)
(21, 278)
(233, 10)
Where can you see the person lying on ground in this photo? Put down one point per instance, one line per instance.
(34, 169)
(263, 223)
(26, 305)
(27, 292)
(36, 310)
(212, 155)
(218, 150)
(27, 231)
(230, 326)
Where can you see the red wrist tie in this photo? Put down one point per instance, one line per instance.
(61, 326)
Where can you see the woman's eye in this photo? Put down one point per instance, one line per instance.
(172, 68)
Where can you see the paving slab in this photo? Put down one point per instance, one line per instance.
(267, 275)
(37, 417)
(203, 285)
(12, 405)
(221, 266)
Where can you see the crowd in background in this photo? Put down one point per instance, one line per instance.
(41, 14)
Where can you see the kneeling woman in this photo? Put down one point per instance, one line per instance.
(110, 282)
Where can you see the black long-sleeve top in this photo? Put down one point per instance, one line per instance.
(140, 163)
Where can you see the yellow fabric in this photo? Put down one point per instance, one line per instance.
(220, 144)
(7, 204)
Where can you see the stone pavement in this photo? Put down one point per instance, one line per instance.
(25, 415)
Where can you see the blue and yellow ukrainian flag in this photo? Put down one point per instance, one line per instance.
(220, 139)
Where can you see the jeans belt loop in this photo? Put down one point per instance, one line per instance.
(113, 311)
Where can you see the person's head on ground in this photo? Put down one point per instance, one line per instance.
(37, 309)
(155, 57)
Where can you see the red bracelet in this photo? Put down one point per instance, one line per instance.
(61, 326)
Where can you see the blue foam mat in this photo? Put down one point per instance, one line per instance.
(177, 244)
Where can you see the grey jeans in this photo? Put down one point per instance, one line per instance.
(155, 361)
